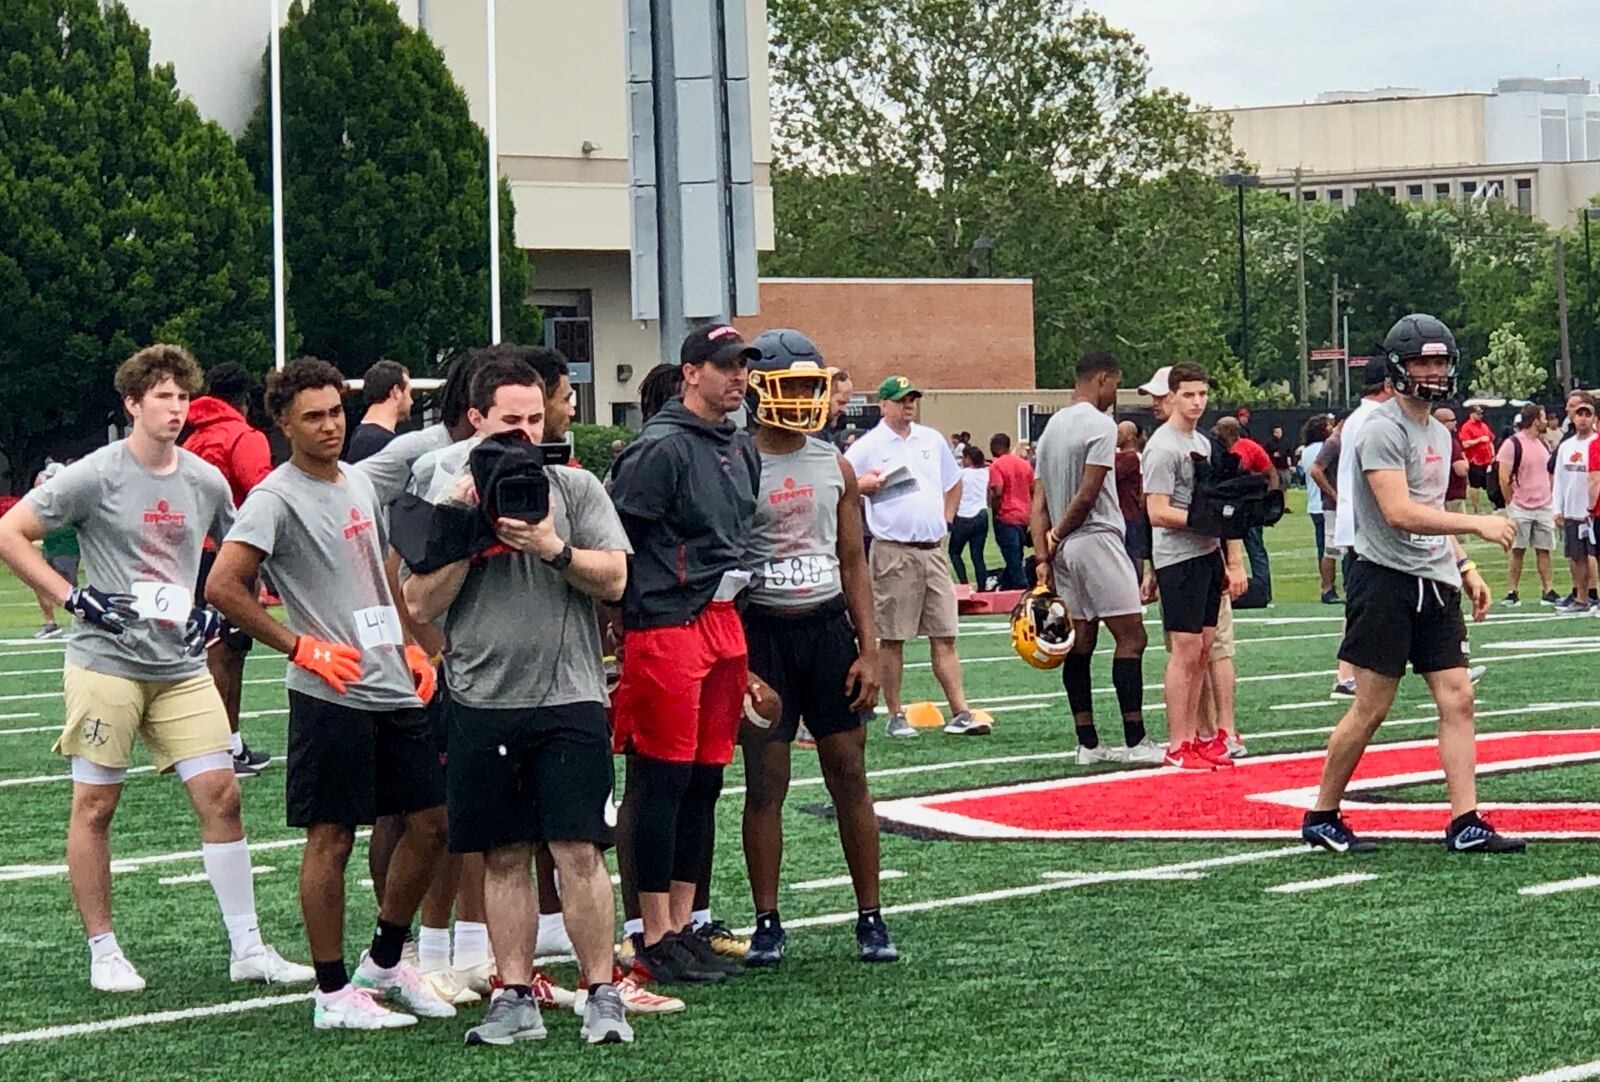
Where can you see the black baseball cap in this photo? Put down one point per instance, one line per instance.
(1374, 374)
(718, 343)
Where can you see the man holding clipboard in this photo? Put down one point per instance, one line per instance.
(912, 486)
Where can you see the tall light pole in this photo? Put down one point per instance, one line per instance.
(275, 90)
(1239, 182)
(1588, 295)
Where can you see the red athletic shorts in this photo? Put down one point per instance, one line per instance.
(682, 690)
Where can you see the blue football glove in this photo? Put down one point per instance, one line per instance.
(108, 612)
(204, 627)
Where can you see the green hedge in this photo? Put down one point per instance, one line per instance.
(591, 444)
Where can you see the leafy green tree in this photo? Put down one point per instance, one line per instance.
(1388, 265)
(124, 219)
(908, 130)
(1508, 369)
(385, 216)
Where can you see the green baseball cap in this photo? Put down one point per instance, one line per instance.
(897, 388)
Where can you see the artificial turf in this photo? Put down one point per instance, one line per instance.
(1436, 969)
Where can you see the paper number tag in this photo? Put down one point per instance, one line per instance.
(164, 601)
(378, 626)
(798, 574)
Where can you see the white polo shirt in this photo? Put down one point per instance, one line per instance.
(916, 514)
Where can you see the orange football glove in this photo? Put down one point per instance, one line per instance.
(422, 673)
(333, 663)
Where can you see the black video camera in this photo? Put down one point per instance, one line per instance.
(508, 470)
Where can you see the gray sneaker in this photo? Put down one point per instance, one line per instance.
(898, 726)
(605, 1020)
(964, 724)
(510, 1017)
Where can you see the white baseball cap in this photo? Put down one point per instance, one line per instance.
(1158, 387)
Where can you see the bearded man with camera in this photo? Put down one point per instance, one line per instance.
(530, 757)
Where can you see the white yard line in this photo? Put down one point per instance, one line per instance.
(1159, 876)
(201, 877)
(1562, 886)
(1566, 1074)
(129, 864)
(34, 729)
(1304, 885)
(843, 880)
(1531, 708)
(825, 919)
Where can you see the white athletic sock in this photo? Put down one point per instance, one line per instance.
(433, 948)
(102, 946)
(700, 918)
(551, 922)
(631, 927)
(238, 744)
(472, 944)
(228, 868)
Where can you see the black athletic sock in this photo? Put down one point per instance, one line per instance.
(387, 943)
(875, 913)
(1088, 737)
(597, 985)
(766, 917)
(1127, 676)
(331, 976)
(523, 990)
(1316, 818)
(1075, 678)
(1133, 731)
(1594, 595)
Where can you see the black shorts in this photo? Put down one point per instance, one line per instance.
(528, 775)
(349, 766)
(1577, 540)
(438, 713)
(1477, 476)
(806, 658)
(1392, 617)
(1191, 593)
(237, 641)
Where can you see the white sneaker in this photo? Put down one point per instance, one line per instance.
(635, 997)
(1343, 689)
(1476, 673)
(402, 985)
(1100, 753)
(967, 723)
(449, 986)
(114, 973)
(1235, 746)
(1145, 753)
(267, 966)
(354, 1008)
(479, 978)
(548, 993)
(552, 941)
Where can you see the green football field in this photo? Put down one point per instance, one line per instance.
(1023, 957)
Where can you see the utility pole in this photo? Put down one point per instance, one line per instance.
(1564, 363)
(1593, 368)
(1300, 259)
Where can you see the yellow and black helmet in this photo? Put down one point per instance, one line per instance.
(1041, 630)
(790, 386)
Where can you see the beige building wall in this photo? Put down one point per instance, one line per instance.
(985, 412)
(562, 84)
(1360, 136)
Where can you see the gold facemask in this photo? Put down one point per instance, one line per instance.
(794, 399)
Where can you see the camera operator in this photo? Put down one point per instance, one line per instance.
(530, 759)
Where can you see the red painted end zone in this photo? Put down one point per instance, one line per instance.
(1262, 797)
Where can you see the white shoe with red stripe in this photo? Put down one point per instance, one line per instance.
(635, 997)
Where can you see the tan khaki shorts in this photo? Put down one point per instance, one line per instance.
(912, 595)
(1222, 642)
(176, 719)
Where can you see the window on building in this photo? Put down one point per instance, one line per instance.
(1469, 189)
(1309, 195)
(1441, 190)
(1525, 195)
(1336, 196)
(1414, 193)
(1388, 190)
(1495, 189)
(1553, 134)
(569, 327)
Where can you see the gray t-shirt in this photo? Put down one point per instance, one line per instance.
(518, 635)
(1168, 467)
(1392, 441)
(1075, 437)
(323, 546)
(389, 470)
(139, 533)
(792, 547)
(1328, 459)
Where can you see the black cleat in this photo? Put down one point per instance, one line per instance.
(670, 962)
(1470, 834)
(1336, 837)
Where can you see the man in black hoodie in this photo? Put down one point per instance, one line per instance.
(685, 491)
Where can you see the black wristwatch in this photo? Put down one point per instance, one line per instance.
(561, 560)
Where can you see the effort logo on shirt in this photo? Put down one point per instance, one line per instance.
(162, 514)
(358, 524)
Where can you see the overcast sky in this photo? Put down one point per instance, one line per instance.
(1230, 53)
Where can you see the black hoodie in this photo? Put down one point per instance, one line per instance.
(686, 492)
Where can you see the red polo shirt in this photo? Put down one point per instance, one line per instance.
(1013, 477)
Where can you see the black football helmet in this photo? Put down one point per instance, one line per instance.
(1421, 335)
